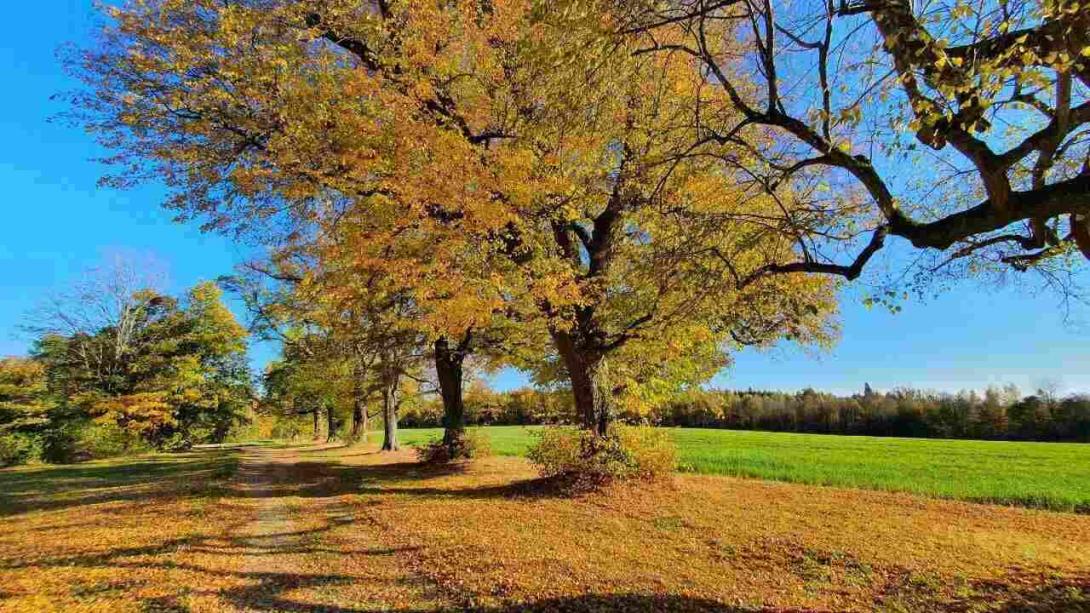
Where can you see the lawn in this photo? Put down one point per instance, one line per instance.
(1045, 475)
(351, 530)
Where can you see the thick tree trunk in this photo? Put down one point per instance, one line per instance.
(331, 424)
(448, 369)
(389, 417)
(589, 391)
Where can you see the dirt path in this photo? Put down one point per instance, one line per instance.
(310, 546)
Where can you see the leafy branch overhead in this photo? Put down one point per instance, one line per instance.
(844, 93)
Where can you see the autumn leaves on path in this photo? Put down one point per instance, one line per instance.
(278, 535)
(310, 547)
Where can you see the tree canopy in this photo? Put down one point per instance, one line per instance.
(165, 371)
(481, 158)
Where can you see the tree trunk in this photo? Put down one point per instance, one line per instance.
(317, 425)
(448, 369)
(389, 417)
(359, 409)
(331, 424)
(591, 395)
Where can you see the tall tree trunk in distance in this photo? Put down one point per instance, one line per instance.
(389, 417)
(317, 425)
(448, 370)
(585, 371)
(331, 424)
(359, 409)
(359, 419)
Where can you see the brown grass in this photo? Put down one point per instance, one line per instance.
(349, 529)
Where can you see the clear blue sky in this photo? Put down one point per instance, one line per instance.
(57, 223)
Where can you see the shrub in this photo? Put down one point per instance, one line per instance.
(473, 444)
(81, 440)
(178, 441)
(59, 445)
(18, 448)
(583, 460)
(652, 449)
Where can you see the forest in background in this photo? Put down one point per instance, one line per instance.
(997, 414)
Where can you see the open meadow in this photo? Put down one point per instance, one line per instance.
(1045, 475)
(279, 527)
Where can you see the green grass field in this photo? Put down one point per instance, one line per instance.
(1046, 475)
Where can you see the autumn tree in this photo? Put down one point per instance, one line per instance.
(280, 397)
(24, 408)
(960, 127)
(378, 324)
(481, 157)
(636, 248)
(315, 369)
(347, 338)
(309, 380)
(175, 375)
(22, 392)
(449, 286)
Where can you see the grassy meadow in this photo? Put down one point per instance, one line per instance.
(1045, 475)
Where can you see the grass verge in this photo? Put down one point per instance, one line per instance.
(1052, 476)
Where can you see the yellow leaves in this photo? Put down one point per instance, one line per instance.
(430, 156)
(22, 389)
(961, 10)
(140, 413)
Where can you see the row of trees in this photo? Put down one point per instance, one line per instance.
(118, 365)
(611, 195)
(996, 414)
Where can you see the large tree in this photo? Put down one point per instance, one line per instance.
(541, 162)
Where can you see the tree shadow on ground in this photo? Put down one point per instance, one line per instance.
(197, 473)
(1023, 591)
(1055, 598)
(259, 590)
(194, 473)
(1016, 590)
(208, 473)
(602, 603)
(326, 479)
(618, 603)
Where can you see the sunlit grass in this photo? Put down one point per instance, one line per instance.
(1045, 475)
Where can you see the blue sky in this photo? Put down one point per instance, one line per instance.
(57, 223)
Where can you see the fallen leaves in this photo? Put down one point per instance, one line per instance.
(352, 529)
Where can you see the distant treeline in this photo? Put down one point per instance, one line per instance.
(998, 413)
